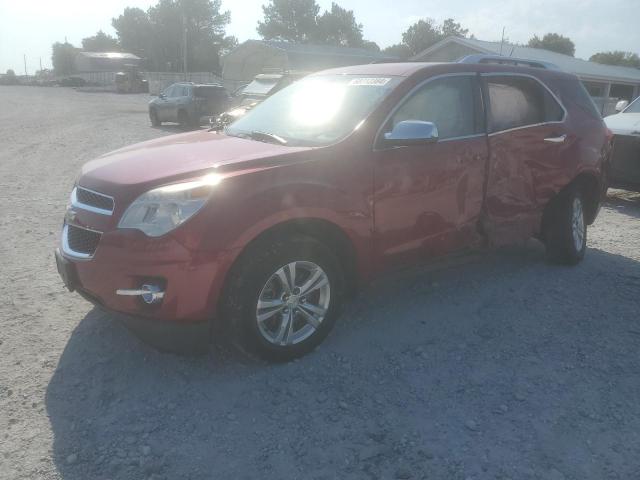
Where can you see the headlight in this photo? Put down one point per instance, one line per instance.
(160, 210)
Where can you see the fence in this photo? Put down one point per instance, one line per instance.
(158, 81)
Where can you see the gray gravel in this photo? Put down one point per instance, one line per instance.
(489, 366)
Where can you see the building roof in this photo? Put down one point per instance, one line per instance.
(325, 50)
(110, 55)
(393, 69)
(584, 69)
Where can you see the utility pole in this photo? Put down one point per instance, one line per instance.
(184, 45)
(24, 55)
(502, 41)
(40, 63)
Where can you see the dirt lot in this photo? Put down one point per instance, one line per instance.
(492, 367)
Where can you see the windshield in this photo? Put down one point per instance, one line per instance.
(260, 86)
(634, 107)
(317, 110)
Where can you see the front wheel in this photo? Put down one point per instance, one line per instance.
(155, 120)
(285, 297)
(565, 228)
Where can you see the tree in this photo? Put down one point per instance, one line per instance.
(339, 27)
(63, 58)
(100, 42)
(554, 42)
(369, 45)
(623, 59)
(158, 34)
(134, 31)
(421, 35)
(451, 28)
(290, 20)
(425, 33)
(399, 50)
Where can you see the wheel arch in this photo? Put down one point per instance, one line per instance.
(591, 187)
(324, 231)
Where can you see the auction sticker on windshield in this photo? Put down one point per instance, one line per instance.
(374, 81)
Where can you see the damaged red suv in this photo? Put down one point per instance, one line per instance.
(340, 177)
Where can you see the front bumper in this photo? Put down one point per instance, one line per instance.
(625, 162)
(127, 259)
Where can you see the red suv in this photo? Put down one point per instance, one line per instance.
(337, 178)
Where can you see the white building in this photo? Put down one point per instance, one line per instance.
(606, 83)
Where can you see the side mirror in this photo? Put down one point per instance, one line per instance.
(162, 95)
(411, 132)
(621, 105)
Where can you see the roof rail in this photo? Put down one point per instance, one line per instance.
(500, 60)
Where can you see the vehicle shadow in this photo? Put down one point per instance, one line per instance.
(624, 201)
(458, 340)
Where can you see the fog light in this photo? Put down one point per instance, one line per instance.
(150, 293)
(153, 295)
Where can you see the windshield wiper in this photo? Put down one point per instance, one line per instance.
(267, 137)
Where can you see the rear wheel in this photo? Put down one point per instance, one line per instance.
(183, 120)
(565, 228)
(155, 120)
(284, 297)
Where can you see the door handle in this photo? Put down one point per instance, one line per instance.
(559, 139)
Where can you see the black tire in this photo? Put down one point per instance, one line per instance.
(563, 242)
(153, 116)
(253, 275)
(184, 121)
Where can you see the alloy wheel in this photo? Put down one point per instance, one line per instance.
(293, 303)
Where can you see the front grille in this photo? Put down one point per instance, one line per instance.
(83, 241)
(93, 199)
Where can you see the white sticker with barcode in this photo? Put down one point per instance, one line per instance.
(372, 82)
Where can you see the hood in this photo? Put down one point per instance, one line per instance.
(174, 157)
(624, 123)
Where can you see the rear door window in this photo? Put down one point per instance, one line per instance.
(516, 102)
(450, 103)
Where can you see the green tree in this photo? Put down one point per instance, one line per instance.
(339, 27)
(421, 35)
(555, 43)
(290, 20)
(158, 34)
(425, 33)
(451, 28)
(399, 50)
(134, 31)
(623, 59)
(369, 45)
(100, 42)
(63, 58)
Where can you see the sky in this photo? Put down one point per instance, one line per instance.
(29, 27)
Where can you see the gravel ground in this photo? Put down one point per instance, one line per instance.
(490, 366)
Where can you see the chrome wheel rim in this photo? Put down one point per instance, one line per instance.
(577, 224)
(293, 303)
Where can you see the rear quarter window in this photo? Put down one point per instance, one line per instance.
(573, 92)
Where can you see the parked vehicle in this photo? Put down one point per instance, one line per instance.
(263, 86)
(340, 177)
(188, 104)
(130, 80)
(625, 158)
